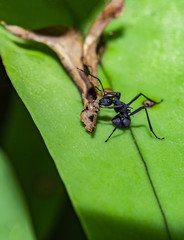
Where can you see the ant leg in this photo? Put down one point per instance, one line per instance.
(151, 129)
(111, 133)
(117, 94)
(99, 89)
(113, 107)
(92, 76)
(140, 94)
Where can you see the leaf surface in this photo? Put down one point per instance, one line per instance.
(130, 187)
(148, 58)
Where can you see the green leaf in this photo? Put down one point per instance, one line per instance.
(148, 58)
(15, 222)
(130, 187)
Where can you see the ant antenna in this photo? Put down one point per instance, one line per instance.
(94, 77)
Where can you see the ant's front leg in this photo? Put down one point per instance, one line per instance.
(93, 77)
(112, 107)
(140, 94)
(151, 129)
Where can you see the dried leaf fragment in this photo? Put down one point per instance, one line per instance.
(148, 103)
(68, 45)
(113, 9)
(73, 53)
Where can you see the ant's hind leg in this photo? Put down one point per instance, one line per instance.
(151, 129)
(111, 133)
(140, 94)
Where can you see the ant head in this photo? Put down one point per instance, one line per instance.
(106, 100)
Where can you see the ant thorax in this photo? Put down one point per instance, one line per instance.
(118, 103)
(120, 106)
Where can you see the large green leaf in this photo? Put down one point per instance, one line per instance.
(130, 187)
(149, 58)
(15, 222)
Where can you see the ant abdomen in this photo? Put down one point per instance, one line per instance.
(121, 122)
(126, 122)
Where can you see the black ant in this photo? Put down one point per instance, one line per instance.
(122, 119)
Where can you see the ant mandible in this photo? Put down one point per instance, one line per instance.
(122, 119)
